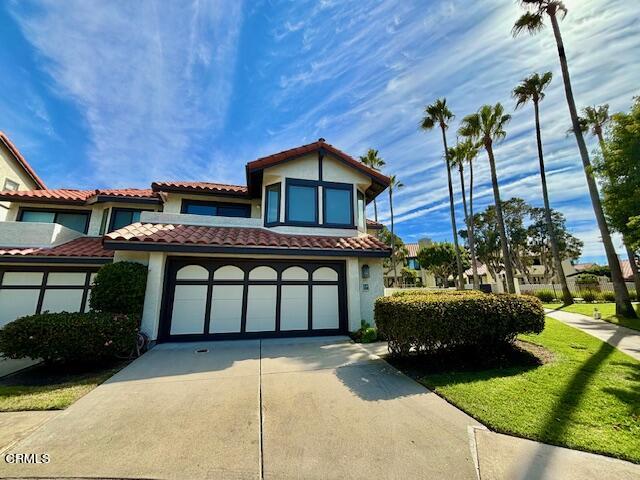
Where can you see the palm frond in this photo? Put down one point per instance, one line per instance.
(531, 22)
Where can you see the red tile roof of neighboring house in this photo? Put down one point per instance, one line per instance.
(21, 160)
(482, 270)
(276, 158)
(193, 235)
(584, 266)
(627, 273)
(373, 225)
(72, 196)
(200, 187)
(412, 249)
(80, 247)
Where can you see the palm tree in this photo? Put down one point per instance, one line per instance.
(487, 126)
(394, 184)
(532, 89)
(595, 119)
(533, 21)
(461, 153)
(372, 160)
(439, 114)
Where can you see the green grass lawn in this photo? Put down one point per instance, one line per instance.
(587, 397)
(39, 388)
(608, 311)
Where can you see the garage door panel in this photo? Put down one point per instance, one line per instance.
(261, 308)
(294, 311)
(226, 309)
(62, 300)
(17, 303)
(189, 306)
(326, 313)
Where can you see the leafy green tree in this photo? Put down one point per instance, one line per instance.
(619, 171)
(372, 160)
(400, 251)
(441, 260)
(531, 89)
(438, 114)
(394, 184)
(487, 126)
(487, 241)
(461, 153)
(533, 21)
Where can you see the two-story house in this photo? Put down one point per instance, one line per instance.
(15, 172)
(287, 254)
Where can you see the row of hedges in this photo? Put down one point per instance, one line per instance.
(426, 322)
(109, 331)
(547, 296)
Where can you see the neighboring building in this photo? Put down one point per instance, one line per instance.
(426, 278)
(15, 172)
(287, 254)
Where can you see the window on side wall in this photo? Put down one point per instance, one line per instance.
(338, 205)
(10, 184)
(362, 222)
(272, 204)
(121, 217)
(78, 221)
(216, 209)
(302, 203)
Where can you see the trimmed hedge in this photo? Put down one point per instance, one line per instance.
(545, 296)
(70, 337)
(428, 322)
(119, 288)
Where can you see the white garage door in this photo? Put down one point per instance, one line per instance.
(215, 298)
(25, 291)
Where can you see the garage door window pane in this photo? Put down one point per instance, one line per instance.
(22, 278)
(261, 308)
(338, 207)
(302, 204)
(17, 303)
(294, 311)
(66, 278)
(62, 301)
(226, 309)
(325, 307)
(188, 309)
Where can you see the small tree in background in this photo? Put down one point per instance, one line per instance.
(440, 259)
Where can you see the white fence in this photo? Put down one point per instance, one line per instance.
(574, 288)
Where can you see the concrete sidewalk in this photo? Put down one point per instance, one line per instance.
(624, 339)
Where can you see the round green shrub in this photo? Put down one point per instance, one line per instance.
(588, 296)
(119, 288)
(545, 296)
(70, 337)
(429, 322)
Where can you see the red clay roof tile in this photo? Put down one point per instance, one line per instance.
(200, 187)
(79, 197)
(238, 237)
(80, 247)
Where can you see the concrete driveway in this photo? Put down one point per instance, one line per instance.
(277, 409)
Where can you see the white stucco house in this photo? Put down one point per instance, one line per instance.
(287, 254)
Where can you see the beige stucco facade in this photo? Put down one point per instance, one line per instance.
(11, 171)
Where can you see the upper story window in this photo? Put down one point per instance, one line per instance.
(337, 205)
(121, 217)
(302, 203)
(10, 184)
(216, 209)
(272, 204)
(362, 222)
(75, 220)
(413, 264)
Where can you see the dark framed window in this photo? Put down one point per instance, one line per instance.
(10, 184)
(301, 203)
(362, 222)
(272, 204)
(74, 219)
(413, 264)
(103, 221)
(216, 209)
(337, 205)
(121, 217)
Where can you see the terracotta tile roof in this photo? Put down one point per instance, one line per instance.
(413, 249)
(21, 160)
(372, 224)
(73, 196)
(270, 160)
(482, 270)
(200, 187)
(627, 273)
(238, 237)
(80, 247)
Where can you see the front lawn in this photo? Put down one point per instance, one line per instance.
(41, 388)
(608, 311)
(585, 395)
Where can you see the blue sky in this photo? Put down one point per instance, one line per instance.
(121, 93)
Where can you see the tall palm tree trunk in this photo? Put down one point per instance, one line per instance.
(476, 283)
(453, 212)
(375, 210)
(393, 240)
(623, 302)
(555, 251)
(472, 242)
(506, 257)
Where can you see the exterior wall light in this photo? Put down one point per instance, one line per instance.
(365, 271)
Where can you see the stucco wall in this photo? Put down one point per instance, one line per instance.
(375, 287)
(10, 169)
